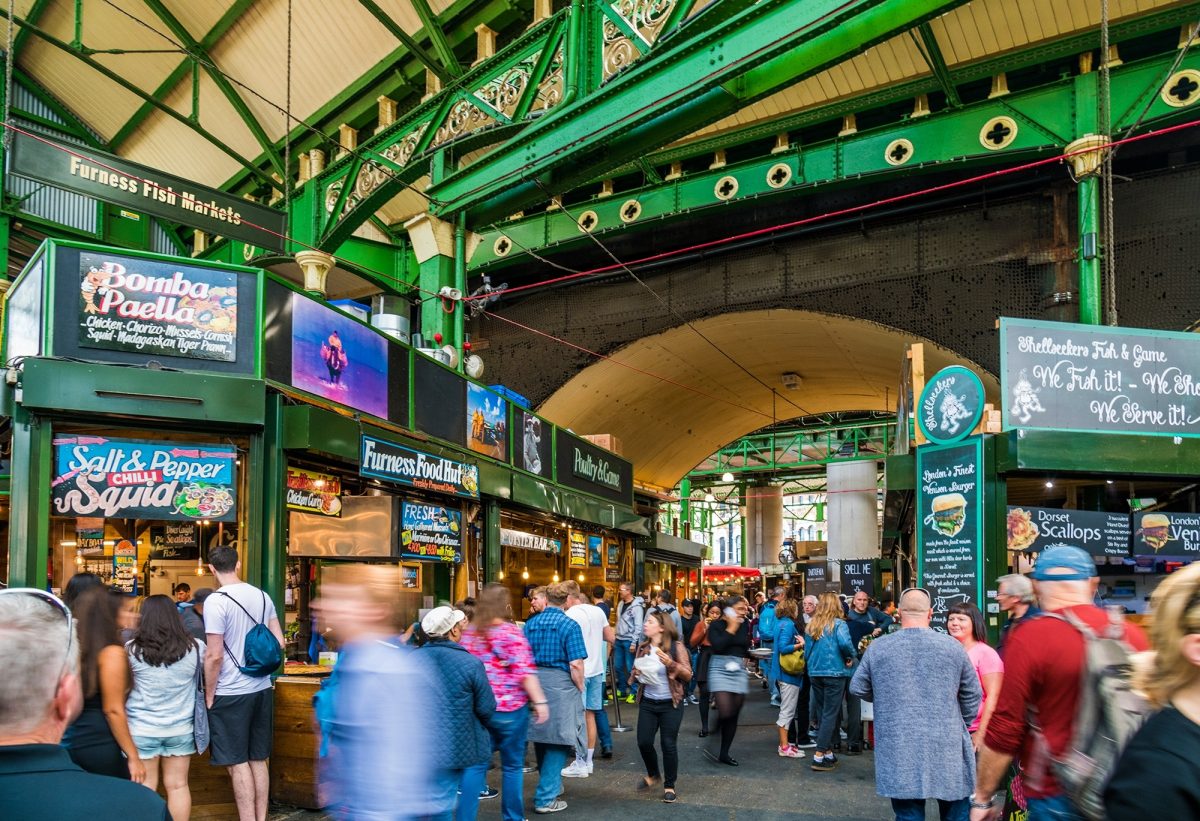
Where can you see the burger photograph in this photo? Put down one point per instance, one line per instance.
(949, 514)
(1155, 531)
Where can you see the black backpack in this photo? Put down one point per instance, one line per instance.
(261, 651)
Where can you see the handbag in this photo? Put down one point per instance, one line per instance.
(793, 663)
(200, 710)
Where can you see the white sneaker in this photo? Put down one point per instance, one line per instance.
(591, 765)
(576, 769)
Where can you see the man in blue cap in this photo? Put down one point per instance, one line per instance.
(1043, 667)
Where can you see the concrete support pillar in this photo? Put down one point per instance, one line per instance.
(764, 524)
(315, 265)
(853, 511)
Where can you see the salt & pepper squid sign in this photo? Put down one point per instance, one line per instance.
(132, 479)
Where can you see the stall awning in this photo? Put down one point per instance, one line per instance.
(735, 571)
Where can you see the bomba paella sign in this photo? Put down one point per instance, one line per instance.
(157, 308)
(131, 479)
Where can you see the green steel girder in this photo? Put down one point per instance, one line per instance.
(33, 16)
(115, 77)
(414, 48)
(927, 44)
(1045, 118)
(796, 450)
(433, 30)
(205, 61)
(210, 39)
(684, 85)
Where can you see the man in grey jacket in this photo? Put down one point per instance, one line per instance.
(925, 693)
(631, 612)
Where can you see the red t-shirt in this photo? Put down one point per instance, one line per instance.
(1043, 665)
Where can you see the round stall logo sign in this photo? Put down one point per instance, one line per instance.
(951, 405)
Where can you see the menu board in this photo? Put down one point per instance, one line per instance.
(816, 574)
(90, 541)
(858, 575)
(950, 524)
(313, 492)
(1059, 376)
(1166, 534)
(431, 533)
(124, 578)
(1036, 528)
(133, 479)
(174, 540)
(579, 549)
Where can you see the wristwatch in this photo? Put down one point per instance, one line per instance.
(984, 805)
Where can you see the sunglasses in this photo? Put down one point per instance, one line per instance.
(908, 590)
(56, 603)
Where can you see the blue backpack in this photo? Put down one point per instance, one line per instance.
(767, 622)
(261, 652)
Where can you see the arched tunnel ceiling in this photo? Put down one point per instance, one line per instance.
(666, 430)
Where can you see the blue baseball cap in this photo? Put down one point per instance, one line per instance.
(1064, 563)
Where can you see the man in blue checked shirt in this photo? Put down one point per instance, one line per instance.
(559, 652)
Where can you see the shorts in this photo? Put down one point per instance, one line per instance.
(166, 746)
(241, 728)
(593, 692)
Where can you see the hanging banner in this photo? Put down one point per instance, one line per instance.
(395, 463)
(431, 533)
(578, 550)
(858, 575)
(1097, 379)
(313, 492)
(1166, 534)
(133, 479)
(529, 541)
(1034, 529)
(950, 524)
(141, 188)
(174, 540)
(124, 578)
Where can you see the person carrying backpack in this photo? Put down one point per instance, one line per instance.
(1064, 698)
(245, 645)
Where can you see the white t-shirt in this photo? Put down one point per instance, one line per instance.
(592, 622)
(223, 616)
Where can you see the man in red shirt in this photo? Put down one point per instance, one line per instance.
(1043, 665)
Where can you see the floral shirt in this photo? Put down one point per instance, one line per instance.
(507, 659)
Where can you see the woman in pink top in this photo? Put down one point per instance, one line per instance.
(965, 623)
(506, 657)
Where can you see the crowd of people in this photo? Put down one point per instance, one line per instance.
(98, 703)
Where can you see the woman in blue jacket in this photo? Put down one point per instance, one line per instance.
(830, 655)
(787, 640)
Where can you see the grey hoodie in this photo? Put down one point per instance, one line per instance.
(629, 620)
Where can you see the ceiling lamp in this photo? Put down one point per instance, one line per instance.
(554, 579)
(727, 476)
(525, 573)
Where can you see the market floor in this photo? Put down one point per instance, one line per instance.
(763, 788)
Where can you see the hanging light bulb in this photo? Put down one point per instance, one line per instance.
(501, 576)
(555, 578)
(525, 573)
(199, 567)
(582, 577)
(727, 476)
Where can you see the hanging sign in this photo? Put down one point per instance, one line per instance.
(951, 405)
(313, 492)
(140, 188)
(174, 540)
(950, 524)
(132, 479)
(858, 575)
(1096, 379)
(578, 549)
(529, 541)
(1166, 534)
(124, 577)
(157, 308)
(431, 533)
(387, 460)
(1036, 528)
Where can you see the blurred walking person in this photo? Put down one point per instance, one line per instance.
(374, 709)
(830, 656)
(99, 741)
(663, 666)
(501, 646)
(166, 661)
(727, 680)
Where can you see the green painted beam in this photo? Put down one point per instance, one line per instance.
(231, 94)
(1045, 120)
(928, 45)
(133, 89)
(33, 16)
(441, 45)
(407, 39)
(219, 29)
(783, 450)
(672, 92)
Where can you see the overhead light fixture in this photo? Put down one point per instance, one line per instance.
(727, 476)
(708, 497)
(581, 577)
(525, 574)
(500, 576)
(1049, 483)
(1108, 481)
(791, 381)
(554, 578)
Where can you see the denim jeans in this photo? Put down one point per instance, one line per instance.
(691, 685)
(913, 809)
(1054, 808)
(623, 666)
(508, 738)
(828, 691)
(603, 732)
(444, 793)
(765, 666)
(663, 719)
(551, 758)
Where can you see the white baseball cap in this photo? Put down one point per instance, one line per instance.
(441, 620)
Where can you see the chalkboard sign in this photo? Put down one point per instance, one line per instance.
(1166, 534)
(816, 574)
(858, 575)
(1099, 533)
(1058, 376)
(174, 540)
(950, 524)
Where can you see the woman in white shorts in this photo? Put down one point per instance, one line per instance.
(164, 658)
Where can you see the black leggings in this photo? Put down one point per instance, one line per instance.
(729, 705)
(655, 716)
(704, 697)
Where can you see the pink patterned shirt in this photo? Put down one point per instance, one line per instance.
(507, 658)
